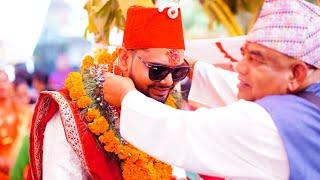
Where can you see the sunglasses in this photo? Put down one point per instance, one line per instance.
(158, 72)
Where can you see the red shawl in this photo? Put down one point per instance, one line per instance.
(97, 163)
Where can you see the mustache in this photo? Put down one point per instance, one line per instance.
(161, 86)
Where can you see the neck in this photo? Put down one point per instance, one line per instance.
(313, 78)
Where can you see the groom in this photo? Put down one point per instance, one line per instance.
(152, 56)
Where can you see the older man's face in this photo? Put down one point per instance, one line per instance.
(156, 59)
(262, 72)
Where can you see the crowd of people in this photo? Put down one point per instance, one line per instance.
(17, 100)
(15, 115)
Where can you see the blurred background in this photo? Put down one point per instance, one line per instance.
(48, 35)
(41, 41)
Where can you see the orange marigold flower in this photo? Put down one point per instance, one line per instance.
(112, 146)
(132, 171)
(124, 151)
(83, 102)
(92, 114)
(115, 54)
(106, 137)
(110, 67)
(73, 79)
(87, 62)
(103, 57)
(133, 156)
(171, 101)
(99, 125)
(76, 92)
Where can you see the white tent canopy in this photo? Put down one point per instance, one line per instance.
(208, 51)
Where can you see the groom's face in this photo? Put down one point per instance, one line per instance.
(148, 68)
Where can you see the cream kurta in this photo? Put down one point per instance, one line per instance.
(238, 141)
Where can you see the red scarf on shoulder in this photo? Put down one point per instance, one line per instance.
(97, 163)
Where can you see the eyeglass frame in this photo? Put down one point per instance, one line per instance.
(150, 65)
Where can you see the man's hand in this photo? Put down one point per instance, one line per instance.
(115, 88)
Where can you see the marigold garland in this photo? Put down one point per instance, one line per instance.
(136, 165)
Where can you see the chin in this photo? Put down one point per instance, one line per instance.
(161, 99)
(245, 96)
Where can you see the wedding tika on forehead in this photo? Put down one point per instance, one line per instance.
(174, 56)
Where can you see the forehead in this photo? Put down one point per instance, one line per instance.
(159, 55)
(267, 54)
(250, 47)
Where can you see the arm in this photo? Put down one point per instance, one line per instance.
(228, 142)
(59, 160)
(212, 86)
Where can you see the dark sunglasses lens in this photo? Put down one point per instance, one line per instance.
(157, 73)
(180, 73)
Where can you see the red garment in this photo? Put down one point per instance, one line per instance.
(97, 163)
(210, 178)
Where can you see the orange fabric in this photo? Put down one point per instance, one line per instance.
(9, 137)
(4, 176)
(148, 28)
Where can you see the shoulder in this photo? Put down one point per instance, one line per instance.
(283, 104)
(276, 100)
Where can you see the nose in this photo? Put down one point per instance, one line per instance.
(242, 67)
(167, 81)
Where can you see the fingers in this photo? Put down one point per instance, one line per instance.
(115, 88)
(191, 61)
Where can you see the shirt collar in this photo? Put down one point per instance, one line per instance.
(314, 88)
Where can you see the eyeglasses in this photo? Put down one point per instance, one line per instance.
(158, 72)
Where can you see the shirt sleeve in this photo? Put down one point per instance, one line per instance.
(59, 159)
(212, 86)
(239, 141)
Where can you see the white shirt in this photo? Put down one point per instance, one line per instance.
(238, 141)
(213, 87)
(59, 159)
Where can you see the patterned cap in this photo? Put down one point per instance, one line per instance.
(291, 27)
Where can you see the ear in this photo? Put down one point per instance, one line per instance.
(123, 61)
(299, 73)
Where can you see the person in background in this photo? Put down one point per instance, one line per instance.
(9, 126)
(22, 102)
(39, 83)
(57, 77)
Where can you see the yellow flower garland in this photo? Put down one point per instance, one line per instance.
(136, 165)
